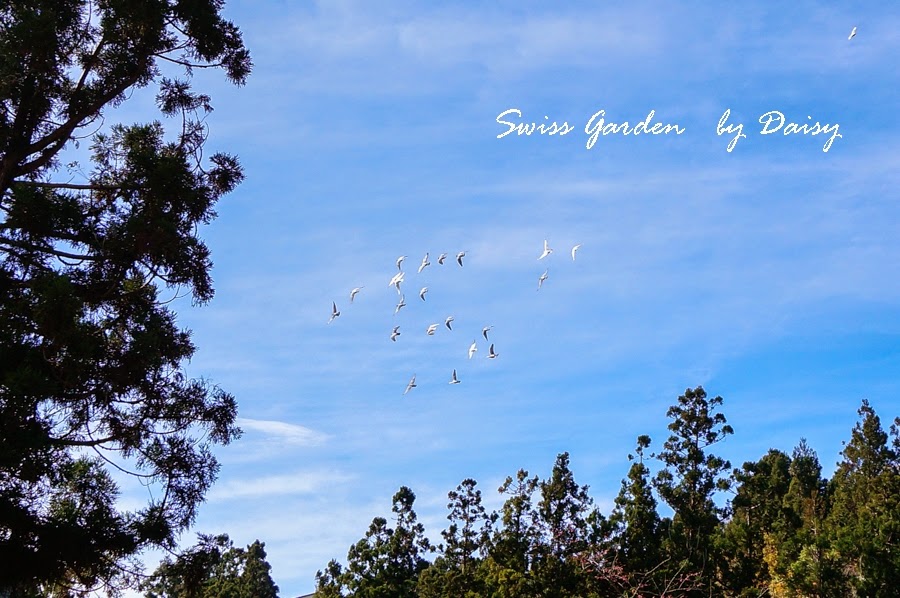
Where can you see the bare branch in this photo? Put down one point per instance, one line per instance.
(189, 65)
(49, 250)
(73, 186)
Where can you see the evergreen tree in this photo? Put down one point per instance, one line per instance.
(865, 518)
(758, 509)
(256, 578)
(454, 573)
(507, 570)
(691, 476)
(796, 554)
(386, 563)
(214, 568)
(90, 355)
(562, 514)
(330, 583)
(635, 520)
(470, 526)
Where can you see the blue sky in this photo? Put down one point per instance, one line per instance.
(770, 275)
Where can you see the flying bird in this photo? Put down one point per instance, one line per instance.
(395, 333)
(574, 249)
(425, 262)
(484, 331)
(543, 278)
(459, 257)
(396, 278)
(852, 34)
(411, 385)
(422, 293)
(399, 305)
(354, 292)
(491, 354)
(441, 258)
(431, 329)
(400, 261)
(447, 322)
(454, 379)
(334, 312)
(472, 350)
(547, 250)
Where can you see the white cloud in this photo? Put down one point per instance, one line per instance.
(282, 431)
(296, 483)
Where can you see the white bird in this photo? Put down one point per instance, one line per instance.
(399, 305)
(447, 322)
(547, 250)
(491, 354)
(411, 385)
(459, 257)
(472, 350)
(441, 258)
(425, 262)
(422, 293)
(400, 261)
(395, 333)
(852, 34)
(484, 331)
(398, 277)
(574, 249)
(396, 280)
(334, 312)
(454, 379)
(354, 292)
(431, 329)
(542, 278)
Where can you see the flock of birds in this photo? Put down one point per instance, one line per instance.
(398, 279)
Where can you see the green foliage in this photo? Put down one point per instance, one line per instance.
(386, 562)
(864, 521)
(512, 546)
(691, 477)
(330, 582)
(562, 512)
(758, 509)
(90, 356)
(470, 525)
(214, 568)
(787, 533)
(454, 572)
(801, 561)
(634, 521)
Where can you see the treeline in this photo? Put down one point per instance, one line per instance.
(213, 568)
(785, 532)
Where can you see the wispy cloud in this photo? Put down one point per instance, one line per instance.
(292, 434)
(299, 482)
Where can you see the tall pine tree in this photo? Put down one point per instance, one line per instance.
(454, 574)
(386, 563)
(214, 568)
(562, 512)
(91, 357)
(635, 520)
(865, 518)
(691, 477)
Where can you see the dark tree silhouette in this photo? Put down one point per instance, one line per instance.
(90, 355)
